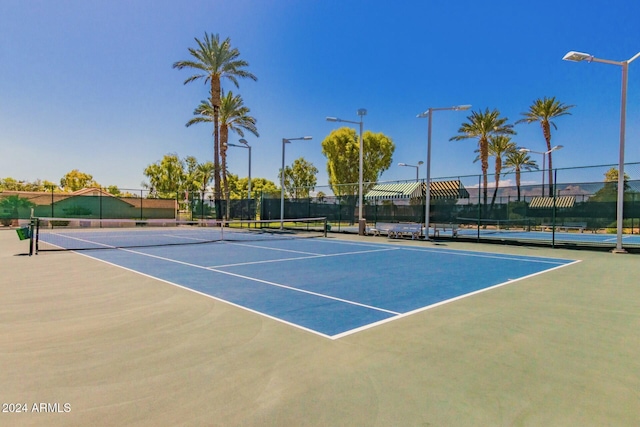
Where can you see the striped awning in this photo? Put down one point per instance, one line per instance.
(406, 190)
(447, 190)
(547, 202)
(410, 190)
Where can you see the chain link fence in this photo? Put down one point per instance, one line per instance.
(586, 196)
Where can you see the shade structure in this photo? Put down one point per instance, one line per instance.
(410, 190)
(548, 202)
(447, 190)
(405, 190)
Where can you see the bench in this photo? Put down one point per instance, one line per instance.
(396, 230)
(444, 227)
(580, 226)
(413, 230)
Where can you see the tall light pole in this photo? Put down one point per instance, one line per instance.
(544, 158)
(420, 163)
(361, 112)
(427, 193)
(245, 145)
(286, 141)
(577, 57)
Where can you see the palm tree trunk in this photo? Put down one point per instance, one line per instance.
(498, 171)
(484, 157)
(215, 102)
(224, 139)
(546, 131)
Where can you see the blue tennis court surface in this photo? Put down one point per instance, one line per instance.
(327, 286)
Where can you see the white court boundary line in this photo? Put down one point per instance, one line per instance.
(450, 300)
(303, 257)
(395, 315)
(267, 282)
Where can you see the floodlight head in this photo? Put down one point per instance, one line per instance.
(332, 119)
(577, 56)
(462, 107)
(244, 141)
(306, 138)
(523, 150)
(402, 164)
(423, 115)
(557, 147)
(362, 112)
(420, 163)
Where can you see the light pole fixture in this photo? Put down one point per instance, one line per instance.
(427, 192)
(286, 141)
(577, 57)
(544, 158)
(245, 145)
(420, 163)
(361, 112)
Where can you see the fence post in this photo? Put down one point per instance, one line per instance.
(553, 212)
(479, 205)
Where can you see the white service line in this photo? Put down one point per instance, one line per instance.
(264, 281)
(270, 249)
(303, 257)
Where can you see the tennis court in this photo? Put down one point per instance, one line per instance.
(268, 332)
(326, 286)
(547, 236)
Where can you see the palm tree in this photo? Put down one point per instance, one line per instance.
(519, 161)
(234, 116)
(202, 176)
(15, 204)
(499, 146)
(215, 60)
(544, 111)
(483, 125)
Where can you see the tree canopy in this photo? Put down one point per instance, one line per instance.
(299, 178)
(171, 176)
(341, 148)
(238, 187)
(12, 184)
(76, 180)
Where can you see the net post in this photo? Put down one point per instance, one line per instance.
(31, 230)
(35, 224)
(324, 234)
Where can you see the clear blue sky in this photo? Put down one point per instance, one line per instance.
(89, 85)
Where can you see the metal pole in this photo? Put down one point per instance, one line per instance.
(360, 174)
(427, 191)
(249, 189)
(284, 141)
(623, 113)
(543, 170)
(362, 227)
(579, 56)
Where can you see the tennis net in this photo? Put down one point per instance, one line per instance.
(85, 234)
